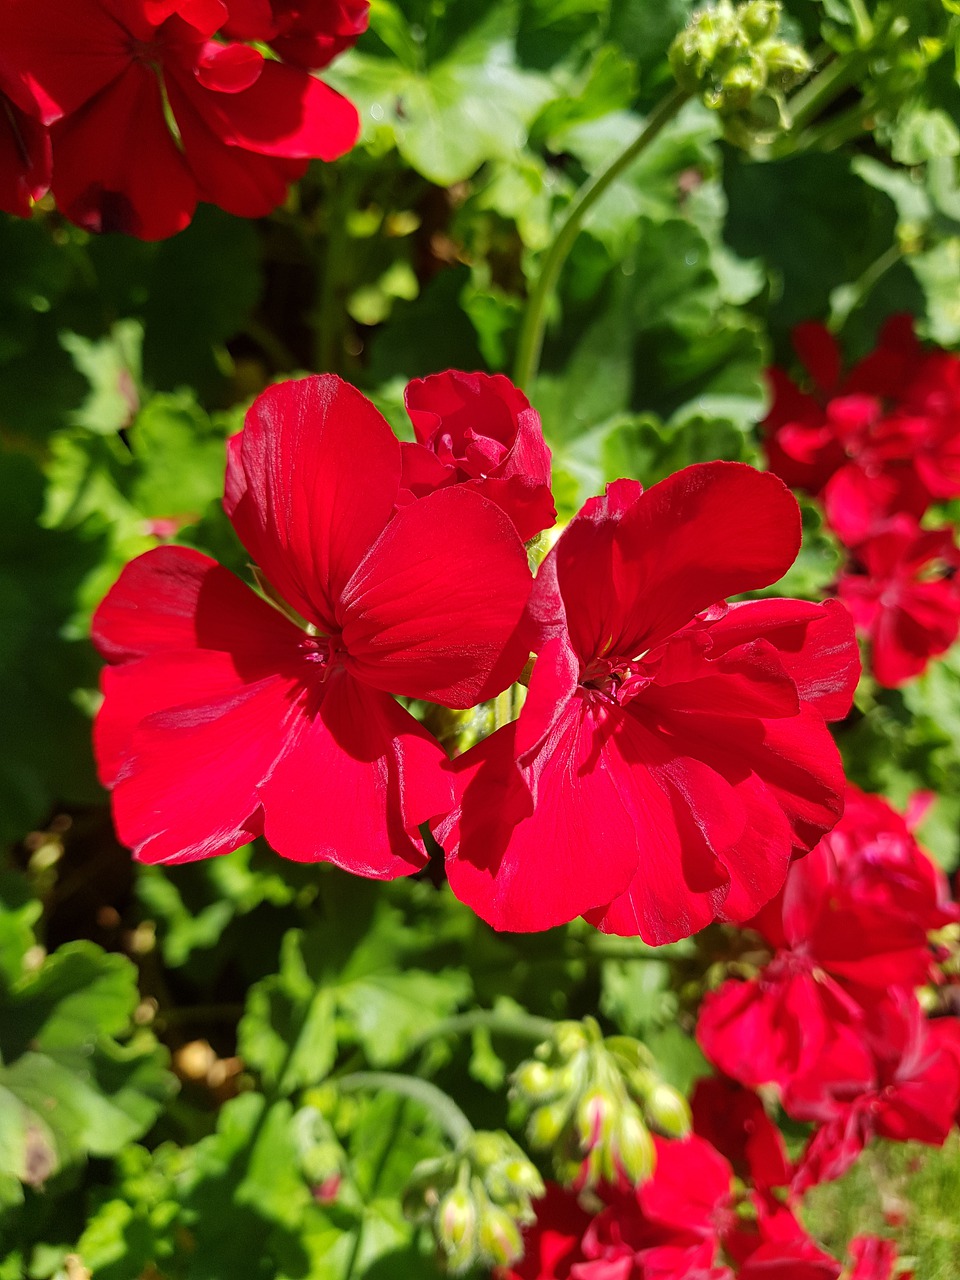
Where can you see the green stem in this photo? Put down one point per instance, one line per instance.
(530, 343)
(864, 286)
(458, 1127)
(836, 77)
(502, 709)
(522, 1026)
(862, 20)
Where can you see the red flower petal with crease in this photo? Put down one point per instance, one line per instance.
(416, 623)
(358, 778)
(311, 482)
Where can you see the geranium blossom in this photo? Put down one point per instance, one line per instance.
(884, 438)
(225, 717)
(900, 1080)
(672, 755)
(308, 33)
(903, 589)
(105, 74)
(850, 924)
(479, 430)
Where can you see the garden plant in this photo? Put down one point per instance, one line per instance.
(479, 664)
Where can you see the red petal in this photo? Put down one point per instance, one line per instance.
(360, 779)
(436, 608)
(243, 183)
(817, 348)
(25, 159)
(116, 166)
(814, 642)
(188, 788)
(228, 68)
(712, 530)
(541, 869)
(174, 599)
(311, 482)
(285, 113)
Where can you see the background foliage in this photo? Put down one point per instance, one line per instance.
(168, 1035)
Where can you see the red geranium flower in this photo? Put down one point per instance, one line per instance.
(308, 33)
(672, 754)
(900, 1080)
(105, 74)
(223, 718)
(903, 590)
(479, 430)
(733, 1120)
(883, 439)
(850, 924)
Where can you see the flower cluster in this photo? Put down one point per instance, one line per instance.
(132, 111)
(831, 1020)
(683, 736)
(879, 446)
(687, 1221)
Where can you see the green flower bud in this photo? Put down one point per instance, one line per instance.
(594, 1119)
(535, 1081)
(456, 1228)
(668, 1111)
(547, 1123)
(499, 1237)
(760, 19)
(636, 1154)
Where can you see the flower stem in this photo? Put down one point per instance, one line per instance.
(530, 343)
(807, 103)
(522, 1026)
(443, 1107)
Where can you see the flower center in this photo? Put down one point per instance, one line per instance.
(616, 680)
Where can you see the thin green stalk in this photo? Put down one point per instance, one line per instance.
(502, 709)
(861, 288)
(862, 20)
(443, 1107)
(522, 1026)
(817, 94)
(530, 343)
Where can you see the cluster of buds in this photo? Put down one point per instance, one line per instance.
(476, 1199)
(593, 1100)
(734, 59)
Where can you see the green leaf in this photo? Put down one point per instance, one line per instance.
(74, 1082)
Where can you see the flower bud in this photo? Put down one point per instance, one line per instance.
(636, 1154)
(535, 1081)
(499, 1237)
(595, 1115)
(668, 1111)
(456, 1225)
(760, 19)
(547, 1123)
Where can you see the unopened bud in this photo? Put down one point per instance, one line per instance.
(500, 1240)
(535, 1080)
(594, 1117)
(457, 1229)
(547, 1123)
(636, 1154)
(668, 1111)
(760, 19)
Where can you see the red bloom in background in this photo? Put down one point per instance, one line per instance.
(903, 590)
(900, 1080)
(224, 719)
(308, 33)
(883, 439)
(25, 155)
(479, 430)
(733, 1120)
(850, 924)
(672, 754)
(104, 73)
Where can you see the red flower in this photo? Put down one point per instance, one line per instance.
(670, 1228)
(733, 1120)
(24, 150)
(851, 923)
(246, 126)
(671, 755)
(901, 1080)
(223, 718)
(884, 439)
(874, 1259)
(904, 593)
(479, 430)
(308, 33)
(778, 1248)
